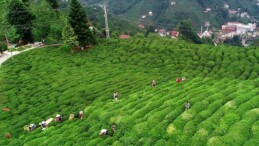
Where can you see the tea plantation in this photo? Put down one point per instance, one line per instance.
(222, 87)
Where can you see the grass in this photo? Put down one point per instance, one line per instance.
(222, 87)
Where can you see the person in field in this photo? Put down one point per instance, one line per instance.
(113, 128)
(32, 127)
(58, 118)
(81, 114)
(8, 135)
(115, 95)
(43, 125)
(153, 83)
(178, 80)
(103, 132)
(183, 78)
(187, 105)
(6, 109)
(71, 116)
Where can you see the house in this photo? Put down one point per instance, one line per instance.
(207, 10)
(150, 13)
(207, 24)
(242, 28)
(232, 12)
(229, 28)
(173, 3)
(124, 36)
(226, 6)
(174, 34)
(244, 14)
(162, 32)
(143, 16)
(205, 34)
(141, 26)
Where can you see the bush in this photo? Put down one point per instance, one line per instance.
(36, 87)
(3, 47)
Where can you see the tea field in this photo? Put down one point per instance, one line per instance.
(222, 87)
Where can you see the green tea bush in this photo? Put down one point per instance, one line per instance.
(36, 88)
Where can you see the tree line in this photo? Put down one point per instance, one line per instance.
(26, 21)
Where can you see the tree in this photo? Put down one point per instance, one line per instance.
(150, 29)
(187, 33)
(53, 3)
(235, 41)
(19, 17)
(3, 47)
(41, 27)
(12, 35)
(68, 36)
(78, 21)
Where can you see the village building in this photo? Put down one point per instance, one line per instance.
(173, 3)
(207, 10)
(226, 6)
(124, 36)
(174, 34)
(141, 26)
(162, 32)
(238, 27)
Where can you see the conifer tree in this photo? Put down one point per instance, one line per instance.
(53, 3)
(19, 17)
(79, 22)
(187, 33)
(68, 36)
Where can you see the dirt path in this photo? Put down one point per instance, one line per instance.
(6, 55)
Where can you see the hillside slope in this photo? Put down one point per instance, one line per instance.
(167, 15)
(222, 86)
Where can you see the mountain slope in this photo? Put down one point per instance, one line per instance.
(167, 15)
(222, 86)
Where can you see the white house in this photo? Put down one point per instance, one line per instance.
(150, 13)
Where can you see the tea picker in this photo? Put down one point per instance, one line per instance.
(115, 95)
(103, 132)
(32, 127)
(81, 114)
(43, 125)
(58, 118)
(71, 116)
(187, 105)
(153, 83)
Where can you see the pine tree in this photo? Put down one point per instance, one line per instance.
(21, 19)
(187, 33)
(78, 21)
(53, 3)
(68, 36)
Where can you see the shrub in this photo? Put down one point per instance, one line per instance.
(3, 47)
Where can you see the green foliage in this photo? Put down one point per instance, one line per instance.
(3, 47)
(21, 18)
(235, 41)
(222, 87)
(53, 3)
(12, 35)
(69, 37)
(187, 32)
(78, 21)
(48, 23)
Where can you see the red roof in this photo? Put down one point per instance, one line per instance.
(174, 33)
(124, 36)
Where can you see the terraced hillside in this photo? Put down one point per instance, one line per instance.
(222, 86)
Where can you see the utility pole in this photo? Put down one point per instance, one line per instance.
(104, 6)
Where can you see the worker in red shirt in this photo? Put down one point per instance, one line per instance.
(178, 80)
